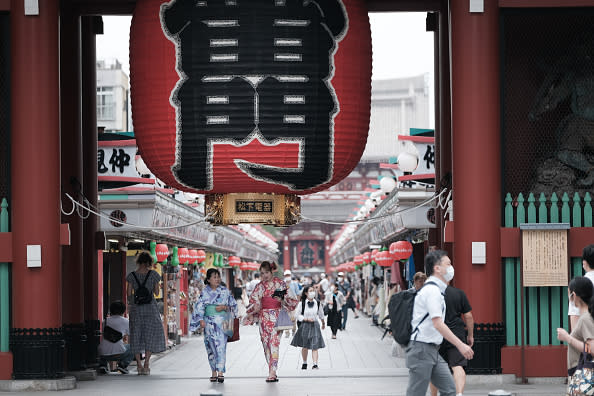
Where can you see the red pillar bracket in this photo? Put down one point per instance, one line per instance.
(65, 234)
(5, 247)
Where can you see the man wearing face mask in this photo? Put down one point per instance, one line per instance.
(429, 329)
(458, 319)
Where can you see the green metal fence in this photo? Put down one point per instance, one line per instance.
(4, 287)
(545, 308)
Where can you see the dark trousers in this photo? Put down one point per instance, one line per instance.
(345, 315)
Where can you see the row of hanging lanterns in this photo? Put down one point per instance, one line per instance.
(400, 250)
(184, 256)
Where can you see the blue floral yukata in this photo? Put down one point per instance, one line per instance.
(214, 338)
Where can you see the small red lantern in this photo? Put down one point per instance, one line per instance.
(358, 260)
(384, 259)
(183, 255)
(366, 258)
(162, 252)
(201, 256)
(193, 256)
(401, 250)
(234, 261)
(374, 253)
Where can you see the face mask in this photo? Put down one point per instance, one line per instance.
(311, 295)
(449, 275)
(323, 276)
(340, 278)
(332, 288)
(288, 279)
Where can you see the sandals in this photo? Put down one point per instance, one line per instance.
(213, 379)
(272, 379)
(221, 379)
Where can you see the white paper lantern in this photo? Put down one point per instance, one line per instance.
(407, 162)
(387, 184)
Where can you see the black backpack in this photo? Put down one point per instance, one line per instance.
(400, 309)
(142, 295)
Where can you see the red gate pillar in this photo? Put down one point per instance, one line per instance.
(93, 263)
(35, 168)
(476, 154)
(72, 169)
(286, 254)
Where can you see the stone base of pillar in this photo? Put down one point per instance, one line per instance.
(5, 365)
(35, 385)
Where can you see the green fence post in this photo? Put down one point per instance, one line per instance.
(565, 218)
(4, 286)
(587, 210)
(532, 292)
(577, 211)
(520, 218)
(554, 209)
(510, 295)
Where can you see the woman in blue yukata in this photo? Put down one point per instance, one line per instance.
(211, 310)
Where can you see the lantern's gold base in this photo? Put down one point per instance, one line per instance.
(263, 208)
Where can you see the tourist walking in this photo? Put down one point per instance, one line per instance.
(335, 300)
(269, 295)
(580, 294)
(213, 309)
(146, 327)
(308, 335)
(429, 329)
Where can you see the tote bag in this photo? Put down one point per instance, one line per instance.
(283, 322)
(235, 336)
(581, 383)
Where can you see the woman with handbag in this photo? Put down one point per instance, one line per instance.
(308, 336)
(266, 301)
(580, 293)
(335, 300)
(215, 307)
(146, 327)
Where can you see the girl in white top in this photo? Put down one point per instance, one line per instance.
(308, 335)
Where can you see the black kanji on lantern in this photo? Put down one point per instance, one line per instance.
(255, 69)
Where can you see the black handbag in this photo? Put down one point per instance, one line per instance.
(111, 334)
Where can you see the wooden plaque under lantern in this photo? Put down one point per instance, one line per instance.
(263, 208)
(544, 254)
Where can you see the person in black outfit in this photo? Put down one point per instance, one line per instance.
(335, 301)
(459, 319)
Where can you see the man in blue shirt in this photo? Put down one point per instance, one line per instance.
(429, 329)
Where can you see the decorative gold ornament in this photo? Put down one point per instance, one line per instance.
(263, 208)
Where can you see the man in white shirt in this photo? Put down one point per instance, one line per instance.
(323, 284)
(588, 266)
(429, 329)
(251, 285)
(120, 349)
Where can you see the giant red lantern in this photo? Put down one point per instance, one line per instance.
(263, 97)
(401, 250)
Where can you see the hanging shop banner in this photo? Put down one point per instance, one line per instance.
(251, 96)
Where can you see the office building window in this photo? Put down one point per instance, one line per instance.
(105, 103)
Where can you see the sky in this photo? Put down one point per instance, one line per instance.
(401, 47)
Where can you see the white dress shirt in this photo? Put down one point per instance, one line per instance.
(317, 311)
(429, 300)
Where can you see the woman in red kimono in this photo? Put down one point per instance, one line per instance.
(266, 308)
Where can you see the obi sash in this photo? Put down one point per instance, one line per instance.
(210, 310)
(270, 303)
